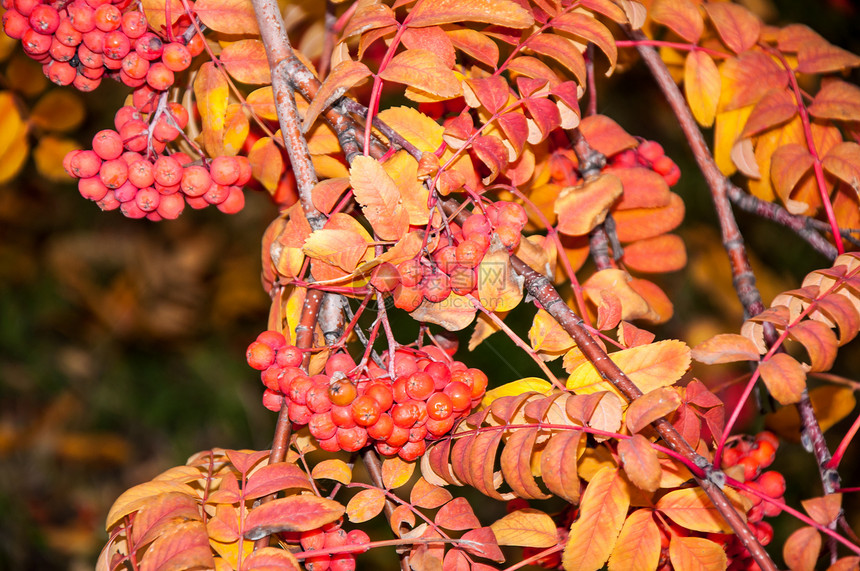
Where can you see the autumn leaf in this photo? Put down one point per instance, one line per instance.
(341, 248)
(702, 86)
(591, 30)
(691, 508)
(680, 16)
(526, 528)
(824, 509)
(843, 162)
(651, 406)
(529, 384)
(801, 549)
(246, 61)
(293, 513)
(379, 198)
(396, 472)
(638, 545)
(365, 505)
(211, 92)
(546, 334)
(226, 16)
(333, 469)
(725, 348)
(499, 287)
(784, 377)
(559, 465)
(601, 516)
(737, 26)
(457, 515)
(415, 127)
(135, 498)
(345, 75)
(500, 12)
(696, 554)
(837, 100)
(182, 546)
(583, 207)
(660, 254)
(775, 108)
(640, 462)
(648, 367)
(157, 11)
(430, 496)
(422, 70)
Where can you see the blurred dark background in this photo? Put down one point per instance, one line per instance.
(122, 342)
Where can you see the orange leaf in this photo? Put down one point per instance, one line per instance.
(427, 495)
(454, 314)
(820, 56)
(500, 12)
(345, 75)
(493, 153)
(777, 107)
(396, 472)
(633, 305)
(725, 348)
(135, 498)
(333, 469)
(823, 510)
(843, 162)
(57, 110)
(820, 343)
(582, 207)
(641, 223)
(492, 92)
(696, 554)
(660, 254)
(341, 248)
(457, 515)
(326, 193)
(527, 528)
(246, 61)
(691, 508)
(184, 545)
(702, 86)
(609, 310)
(648, 366)
(651, 406)
(643, 188)
(561, 49)
(601, 516)
(227, 16)
(516, 464)
(638, 546)
(379, 198)
(801, 549)
(747, 78)
(212, 94)
(784, 378)
(788, 165)
(631, 336)
(474, 44)
(262, 103)
(269, 558)
(274, 478)
(293, 513)
(640, 462)
(422, 70)
(365, 505)
(680, 16)
(837, 100)
(482, 542)
(159, 514)
(558, 465)
(590, 29)
(605, 135)
(738, 27)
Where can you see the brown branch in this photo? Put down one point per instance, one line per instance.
(374, 468)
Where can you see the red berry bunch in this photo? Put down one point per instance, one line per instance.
(126, 168)
(331, 536)
(648, 154)
(452, 267)
(345, 410)
(79, 42)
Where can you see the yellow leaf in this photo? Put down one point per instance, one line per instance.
(246, 61)
(396, 472)
(15, 154)
(729, 125)
(702, 86)
(227, 16)
(547, 335)
(517, 388)
(422, 70)
(696, 554)
(403, 170)
(651, 366)
(500, 12)
(379, 198)
(262, 102)
(212, 93)
(236, 129)
(415, 127)
(333, 469)
(267, 163)
(527, 528)
(638, 546)
(157, 10)
(691, 508)
(640, 462)
(601, 516)
(784, 377)
(341, 248)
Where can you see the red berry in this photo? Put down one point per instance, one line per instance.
(460, 394)
(436, 287)
(272, 400)
(771, 483)
(15, 24)
(412, 450)
(114, 173)
(195, 181)
(352, 439)
(357, 537)
(410, 272)
(167, 171)
(149, 46)
(419, 385)
(512, 214)
(446, 258)
(312, 540)
(342, 392)
(318, 563)
(44, 19)
(342, 416)
(234, 202)
(476, 224)
(224, 170)
(317, 398)
(148, 199)
(260, 355)
(408, 298)
(439, 428)
(176, 57)
(463, 280)
(299, 387)
(382, 428)
(386, 277)
(381, 393)
(299, 413)
(92, 188)
(134, 24)
(650, 150)
(322, 426)
(405, 414)
(159, 76)
(107, 144)
(171, 206)
(290, 356)
(365, 410)
(399, 436)
(508, 235)
(342, 562)
(439, 406)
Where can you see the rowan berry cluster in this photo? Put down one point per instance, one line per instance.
(80, 42)
(453, 265)
(331, 536)
(346, 409)
(649, 154)
(125, 168)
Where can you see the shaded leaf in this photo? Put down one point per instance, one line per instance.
(379, 198)
(638, 545)
(640, 462)
(590, 29)
(546, 334)
(801, 549)
(499, 287)
(777, 107)
(457, 515)
(269, 558)
(823, 510)
(680, 16)
(696, 554)
(482, 542)
(843, 162)
(837, 100)
(725, 348)
(784, 377)
(660, 254)
(702, 86)
(651, 406)
(820, 343)
(640, 223)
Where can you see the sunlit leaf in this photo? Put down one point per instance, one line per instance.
(293, 513)
(500, 12)
(691, 508)
(527, 528)
(638, 545)
(227, 16)
(702, 86)
(696, 554)
(365, 505)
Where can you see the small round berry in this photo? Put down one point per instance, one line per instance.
(167, 171)
(107, 144)
(171, 206)
(159, 76)
(224, 170)
(476, 224)
(148, 199)
(439, 428)
(44, 19)
(460, 394)
(317, 398)
(321, 426)
(771, 483)
(34, 43)
(312, 540)
(114, 173)
(512, 214)
(365, 410)
(217, 193)
(351, 439)
(470, 253)
(260, 355)
(15, 24)
(299, 413)
(195, 181)
(176, 57)
(408, 298)
(381, 393)
(410, 272)
(342, 392)
(436, 287)
(439, 406)
(405, 414)
(382, 428)
(386, 277)
(420, 385)
(342, 416)
(234, 202)
(342, 562)
(509, 236)
(272, 400)
(134, 24)
(92, 188)
(116, 45)
(290, 356)
(412, 450)
(650, 150)
(149, 46)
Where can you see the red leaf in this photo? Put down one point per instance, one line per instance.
(484, 545)
(591, 30)
(427, 495)
(775, 108)
(345, 75)
(293, 513)
(275, 478)
(680, 16)
(492, 92)
(160, 514)
(457, 515)
(837, 100)
(184, 546)
(738, 27)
